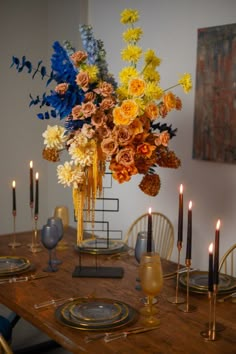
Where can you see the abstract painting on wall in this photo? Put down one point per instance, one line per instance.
(214, 136)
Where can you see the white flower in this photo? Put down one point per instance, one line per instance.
(54, 137)
(65, 173)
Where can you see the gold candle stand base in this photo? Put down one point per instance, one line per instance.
(35, 248)
(176, 299)
(187, 308)
(14, 244)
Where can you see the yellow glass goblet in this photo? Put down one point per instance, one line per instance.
(63, 213)
(151, 279)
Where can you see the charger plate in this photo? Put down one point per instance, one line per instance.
(198, 282)
(12, 265)
(126, 316)
(97, 311)
(101, 246)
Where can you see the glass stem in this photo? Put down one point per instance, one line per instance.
(150, 303)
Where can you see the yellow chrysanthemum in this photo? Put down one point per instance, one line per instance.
(92, 71)
(151, 58)
(151, 74)
(131, 53)
(129, 16)
(186, 82)
(82, 155)
(136, 87)
(65, 173)
(127, 73)
(153, 92)
(132, 34)
(54, 137)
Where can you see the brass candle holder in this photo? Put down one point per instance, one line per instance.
(176, 299)
(210, 333)
(187, 307)
(14, 244)
(30, 245)
(36, 246)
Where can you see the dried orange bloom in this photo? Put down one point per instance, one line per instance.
(146, 149)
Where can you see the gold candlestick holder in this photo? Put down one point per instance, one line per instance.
(30, 245)
(14, 244)
(210, 333)
(36, 246)
(176, 299)
(187, 307)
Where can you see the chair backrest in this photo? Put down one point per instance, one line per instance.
(4, 347)
(228, 262)
(163, 233)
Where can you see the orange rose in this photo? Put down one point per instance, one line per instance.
(82, 80)
(77, 113)
(169, 101)
(107, 103)
(121, 176)
(119, 118)
(88, 109)
(109, 146)
(152, 111)
(162, 138)
(123, 134)
(178, 104)
(125, 156)
(78, 57)
(146, 149)
(61, 88)
(136, 87)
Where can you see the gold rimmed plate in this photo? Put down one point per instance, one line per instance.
(127, 316)
(101, 246)
(95, 311)
(198, 282)
(13, 265)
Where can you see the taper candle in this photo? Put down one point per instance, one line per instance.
(180, 221)
(189, 232)
(216, 254)
(210, 269)
(31, 185)
(149, 235)
(14, 196)
(36, 208)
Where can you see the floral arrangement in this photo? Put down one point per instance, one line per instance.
(140, 143)
(103, 121)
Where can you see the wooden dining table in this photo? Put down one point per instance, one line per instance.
(179, 331)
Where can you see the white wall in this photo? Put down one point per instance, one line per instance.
(170, 28)
(28, 27)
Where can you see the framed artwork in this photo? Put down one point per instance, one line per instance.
(214, 136)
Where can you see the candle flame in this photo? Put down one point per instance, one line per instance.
(150, 210)
(31, 164)
(181, 189)
(190, 205)
(211, 248)
(14, 184)
(37, 175)
(218, 225)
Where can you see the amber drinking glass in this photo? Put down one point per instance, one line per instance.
(62, 212)
(151, 278)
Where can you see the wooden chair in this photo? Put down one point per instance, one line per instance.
(163, 233)
(228, 262)
(4, 346)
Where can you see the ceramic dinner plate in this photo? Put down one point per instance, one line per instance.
(118, 314)
(13, 265)
(198, 282)
(101, 246)
(96, 311)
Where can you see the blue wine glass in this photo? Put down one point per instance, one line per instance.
(58, 222)
(49, 239)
